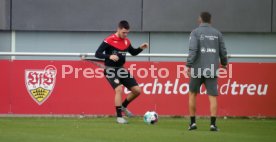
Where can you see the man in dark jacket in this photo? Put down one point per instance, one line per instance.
(206, 52)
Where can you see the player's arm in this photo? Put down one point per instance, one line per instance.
(138, 50)
(222, 51)
(100, 53)
(193, 50)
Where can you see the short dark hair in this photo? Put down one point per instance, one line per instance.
(206, 17)
(123, 24)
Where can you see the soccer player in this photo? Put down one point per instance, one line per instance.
(113, 49)
(206, 51)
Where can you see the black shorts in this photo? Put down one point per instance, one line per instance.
(210, 84)
(119, 76)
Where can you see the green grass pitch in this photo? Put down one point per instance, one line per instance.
(106, 130)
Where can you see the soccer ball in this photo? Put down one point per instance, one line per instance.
(150, 117)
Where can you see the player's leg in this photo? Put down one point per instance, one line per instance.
(118, 104)
(132, 85)
(192, 104)
(212, 91)
(213, 107)
(113, 80)
(194, 87)
(192, 110)
(135, 92)
(118, 95)
(213, 110)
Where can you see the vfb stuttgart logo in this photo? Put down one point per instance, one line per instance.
(40, 83)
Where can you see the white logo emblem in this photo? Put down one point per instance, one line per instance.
(40, 83)
(203, 50)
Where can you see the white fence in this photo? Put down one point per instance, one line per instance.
(140, 55)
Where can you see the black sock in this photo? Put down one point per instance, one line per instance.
(125, 103)
(213, 120)
(193, 119)
(119, 111)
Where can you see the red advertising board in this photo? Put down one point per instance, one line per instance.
(78, 87)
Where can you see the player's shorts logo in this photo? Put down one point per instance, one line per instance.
(40, 83)
(117, 81)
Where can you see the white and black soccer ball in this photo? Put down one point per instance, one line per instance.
(151, 117)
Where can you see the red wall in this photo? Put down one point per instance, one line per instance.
(95, 96)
